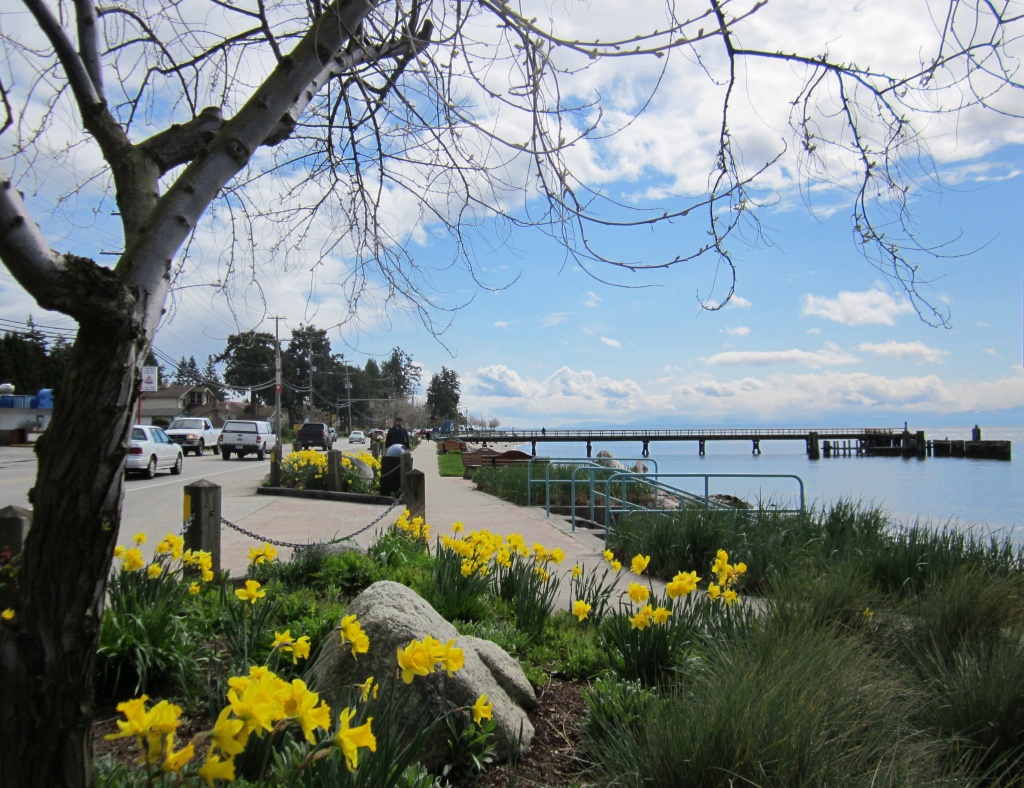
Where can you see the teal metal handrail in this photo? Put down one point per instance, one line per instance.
(643, 478)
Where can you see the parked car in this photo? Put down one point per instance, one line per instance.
(193, 434)
(314, 433)
(356, 436)
(245, 437)
(151, 450)
(333, 433)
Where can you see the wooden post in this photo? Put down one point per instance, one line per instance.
(334, 470)
(202, 504)
(920, 447)
(415, 492)
(404, 467)
(276, 455)
(813, 450)
(14, 524)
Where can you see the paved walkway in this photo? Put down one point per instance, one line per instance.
(448, 500)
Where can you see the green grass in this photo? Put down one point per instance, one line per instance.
(451, 465)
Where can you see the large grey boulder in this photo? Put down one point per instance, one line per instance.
(392, 615)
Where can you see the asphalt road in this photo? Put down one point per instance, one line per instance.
(153, 506)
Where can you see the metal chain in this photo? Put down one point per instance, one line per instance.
(187, 524)
(296, 545)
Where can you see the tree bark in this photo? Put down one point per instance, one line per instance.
(47, 654)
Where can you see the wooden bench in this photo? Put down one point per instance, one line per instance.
(451, 445)
(489, 458)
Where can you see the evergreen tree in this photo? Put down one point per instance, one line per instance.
(187, 373)
(443, 395)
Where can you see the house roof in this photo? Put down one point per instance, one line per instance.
(174, 391)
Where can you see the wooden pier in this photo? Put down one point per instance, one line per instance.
(819, 442)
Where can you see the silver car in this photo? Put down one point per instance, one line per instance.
(151, 450)
(356, 436)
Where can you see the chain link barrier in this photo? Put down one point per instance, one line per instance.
(399, 501)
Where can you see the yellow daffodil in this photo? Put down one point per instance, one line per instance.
(868, 614)
(638, 593)
(349, 740)
(616, 566)
(154, 571)
(225, 733)
(282, 639)
(415, 660)
(580, 609)
(366, 687)
(714, 591)
(661, 615)
(639, 564)
(557, 555)
(8, 614)
(482, 709)
(132, 560)
(251, 592)
(139, 538)
(458, 528)
(730, 597)
(451, 658)
(577, 570)
(216, 769)
(643, 618)
(193, 588)
(174, 761)
(119, 551)
(300, 649)
(301, 704)
(608, 556)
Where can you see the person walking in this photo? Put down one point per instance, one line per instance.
(397, 434)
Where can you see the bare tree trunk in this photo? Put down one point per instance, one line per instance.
(47, 656)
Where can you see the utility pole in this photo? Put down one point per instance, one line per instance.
(277, 379)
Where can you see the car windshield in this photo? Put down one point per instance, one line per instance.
(186, 424)
(240, 426)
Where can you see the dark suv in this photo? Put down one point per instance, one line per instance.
(314, 433)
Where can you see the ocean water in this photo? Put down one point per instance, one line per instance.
(985, 496)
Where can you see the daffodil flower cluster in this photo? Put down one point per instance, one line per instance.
(476, 549)
(286, 644)
(304, 470)
(154, 729)
(726, 575)
(352, 632)
(264, 554)
(169, 551)
(421, 657)
(413, 527)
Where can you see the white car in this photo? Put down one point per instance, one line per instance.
(150, 450)
(356, 436)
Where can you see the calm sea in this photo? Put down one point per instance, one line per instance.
(986, 496)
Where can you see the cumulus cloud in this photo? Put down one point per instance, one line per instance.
(611, 342)
(829, 356)
(737, 302)
(738, 331)
(850, 308)
(902, 351)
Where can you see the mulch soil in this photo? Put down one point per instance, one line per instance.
(553, 761)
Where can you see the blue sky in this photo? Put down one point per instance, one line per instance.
(814, 334)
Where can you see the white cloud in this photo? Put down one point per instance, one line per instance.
(991, 351)
(554, 319)
(592, 300)
(737, 302)
(901, 351)
(856, 309)
(611, 342)
(738, 331)
(828, 356)
(814, 331)
(502, 324)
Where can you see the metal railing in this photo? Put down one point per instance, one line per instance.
(686, 497)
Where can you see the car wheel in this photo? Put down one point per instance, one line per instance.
(201, 448)
(177, 465)
(225, 454)
(151, 467)
(216, 449)
(259, 454)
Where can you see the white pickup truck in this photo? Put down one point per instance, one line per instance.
(193, 434)
(246, 437)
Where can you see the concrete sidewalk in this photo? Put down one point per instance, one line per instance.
(448, 500)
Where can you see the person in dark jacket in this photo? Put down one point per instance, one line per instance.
(397, 434)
